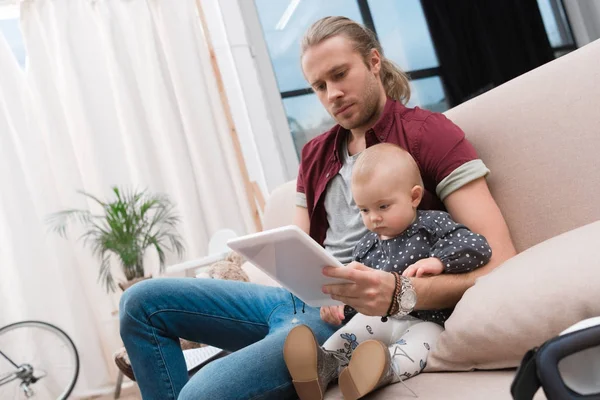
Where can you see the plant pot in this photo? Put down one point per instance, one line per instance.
(127, 284)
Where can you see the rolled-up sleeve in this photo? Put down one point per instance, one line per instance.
(301, 200)
(300, 191)
(445, 156)
(462, 175)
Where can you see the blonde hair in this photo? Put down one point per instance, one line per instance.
(395, 81)
(392, 160)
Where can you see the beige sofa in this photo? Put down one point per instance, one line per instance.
(540, 136)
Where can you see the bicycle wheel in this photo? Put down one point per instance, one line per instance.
(47, 357)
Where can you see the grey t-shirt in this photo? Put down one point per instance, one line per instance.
(346, 227)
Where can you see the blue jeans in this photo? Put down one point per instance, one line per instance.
(249, 319)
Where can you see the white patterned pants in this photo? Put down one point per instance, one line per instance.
(409, 340)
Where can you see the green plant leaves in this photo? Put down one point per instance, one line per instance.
(132, 221)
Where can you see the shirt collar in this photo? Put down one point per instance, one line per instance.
(340, 135)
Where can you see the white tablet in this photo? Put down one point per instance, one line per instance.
(292, 258)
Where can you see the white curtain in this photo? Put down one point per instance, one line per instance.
(116, 92)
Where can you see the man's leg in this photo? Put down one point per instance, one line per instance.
(258, 371)
(226, 314)
(254, 372)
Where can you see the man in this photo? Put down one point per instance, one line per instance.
(364, 92)
(343, 62)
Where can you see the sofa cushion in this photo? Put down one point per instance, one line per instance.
(524, 302)
(280, 207)
(489, 385)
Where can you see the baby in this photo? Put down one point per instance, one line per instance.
(370, 352)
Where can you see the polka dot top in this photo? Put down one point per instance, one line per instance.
(433, 234)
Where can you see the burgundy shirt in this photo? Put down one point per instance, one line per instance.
(436, 143)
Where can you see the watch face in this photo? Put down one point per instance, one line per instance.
(408, 300)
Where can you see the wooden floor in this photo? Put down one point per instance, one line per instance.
(131, 393)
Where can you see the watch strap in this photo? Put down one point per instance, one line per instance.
(405, 285)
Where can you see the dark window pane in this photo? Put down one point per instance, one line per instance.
(560, 53)
(284, 24)
(403, 33)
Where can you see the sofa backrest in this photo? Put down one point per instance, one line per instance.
(280, 206)
(540, 136)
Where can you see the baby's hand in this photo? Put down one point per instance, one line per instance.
(332, 314)
(424, 267)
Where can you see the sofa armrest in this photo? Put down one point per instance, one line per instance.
(195, 264)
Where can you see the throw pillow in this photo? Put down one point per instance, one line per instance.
(522, 303)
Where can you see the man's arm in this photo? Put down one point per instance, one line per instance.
(471, 205)
(301, 219)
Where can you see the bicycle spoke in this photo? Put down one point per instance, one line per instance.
(8, 359)
(7, 378)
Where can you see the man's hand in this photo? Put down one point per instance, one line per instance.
(369, 292)
(333, 315)
(425, 267)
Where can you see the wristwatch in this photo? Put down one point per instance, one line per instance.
(406, 299)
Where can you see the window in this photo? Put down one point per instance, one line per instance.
(284, 23)
(428, 93)
(307, 118)
(403, 33)
(402, 30)
(557, 26)
(9, 28)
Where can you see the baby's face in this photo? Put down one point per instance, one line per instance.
(386, 208)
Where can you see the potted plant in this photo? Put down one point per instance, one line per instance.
(130, 224)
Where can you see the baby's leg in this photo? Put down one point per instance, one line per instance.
(372, 367)
(361, 328)
(409, 353)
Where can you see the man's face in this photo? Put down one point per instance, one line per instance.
(348, 89)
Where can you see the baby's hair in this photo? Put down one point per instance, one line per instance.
(387, 158)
